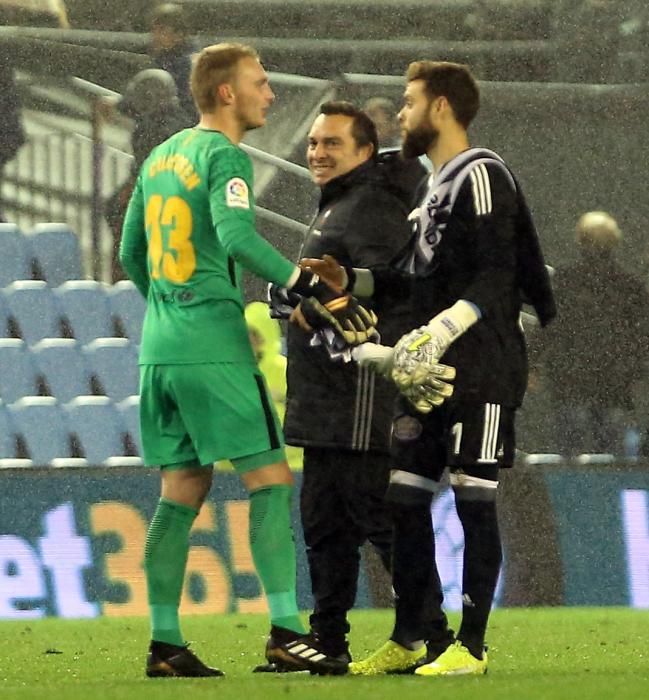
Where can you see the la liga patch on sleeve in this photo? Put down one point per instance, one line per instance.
(236, 193)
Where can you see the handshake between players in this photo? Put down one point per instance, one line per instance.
(412, 364)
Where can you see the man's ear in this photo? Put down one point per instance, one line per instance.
(367, 150)
(225, 93)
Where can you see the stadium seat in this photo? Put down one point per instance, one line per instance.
(12, 463)
(4, 318)
(113, 362)
(42, 424)
(84, 305)
(128, 307)
(32, 305)
(62, 366)
(129, 409)
(17, 373)
(15, 261)
(98, 426)
(595, 459)
(56, 252)
(7, 440)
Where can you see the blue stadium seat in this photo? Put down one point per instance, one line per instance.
(62, 365)
(128, 307)
(32, 305)
(84, 303)
(98, 426)
(16, 258)
(42, 424)
(129, 409)
(55, 249)
(17, 373)
(7, 441)
(113, 361)
(4, 317)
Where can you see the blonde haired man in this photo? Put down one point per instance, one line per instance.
(188, 232)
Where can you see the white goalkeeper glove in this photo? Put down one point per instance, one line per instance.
(432, 387)
(377, 357)
(416, 354)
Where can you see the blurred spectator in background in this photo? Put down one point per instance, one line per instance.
(171, 49)
(383, 112)
(405, 175)
(151, 102)
(266, 339)
(596, 350)
(12, 135)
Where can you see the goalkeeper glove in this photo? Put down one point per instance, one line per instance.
(344, 315)
(377, 357)
(420, 350)
(281, 301)
(432, 387)
(326, 306)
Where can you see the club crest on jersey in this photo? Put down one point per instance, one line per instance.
(236, 193)
(406, 428)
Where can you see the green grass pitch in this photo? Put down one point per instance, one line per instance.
(567, 653)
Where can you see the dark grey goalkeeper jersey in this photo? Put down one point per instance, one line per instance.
(473, 238)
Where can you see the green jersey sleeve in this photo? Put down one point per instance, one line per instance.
(233, 214)
(133, 246)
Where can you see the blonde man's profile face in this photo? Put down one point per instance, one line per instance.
(252, 92)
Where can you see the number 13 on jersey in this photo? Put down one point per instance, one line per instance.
(175, 258)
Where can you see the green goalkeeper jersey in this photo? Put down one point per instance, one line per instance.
(188, 231)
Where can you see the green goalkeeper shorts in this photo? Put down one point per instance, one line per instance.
(208, 412)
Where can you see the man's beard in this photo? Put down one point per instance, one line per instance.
(418, 141)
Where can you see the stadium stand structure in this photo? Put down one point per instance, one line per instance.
(7, 448)
(129, 409)
(85, 309)
(113, 365)
(15, 262)
(61, 367)
(68, 356)
(33, 309)
(17, 371)
(42, 431)
(4, 318)
(128, 307)
(56, 255)
(99, 428)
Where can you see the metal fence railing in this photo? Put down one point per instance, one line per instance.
(63, 173)
(53, 179)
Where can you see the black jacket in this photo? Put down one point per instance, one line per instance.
(361, 221)
(598, 346)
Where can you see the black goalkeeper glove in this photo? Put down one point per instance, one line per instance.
(281, 301)
(328, 307)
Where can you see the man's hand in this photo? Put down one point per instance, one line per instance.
(417, 372)
(281, 301)
(343, 314)
(432, 389)
(328, 269)
(417, 349)
(426, 387)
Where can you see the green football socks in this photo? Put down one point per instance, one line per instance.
(273, 551)
(165, 559)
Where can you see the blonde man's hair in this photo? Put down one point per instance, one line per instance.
(214, 66)
(598, 230)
